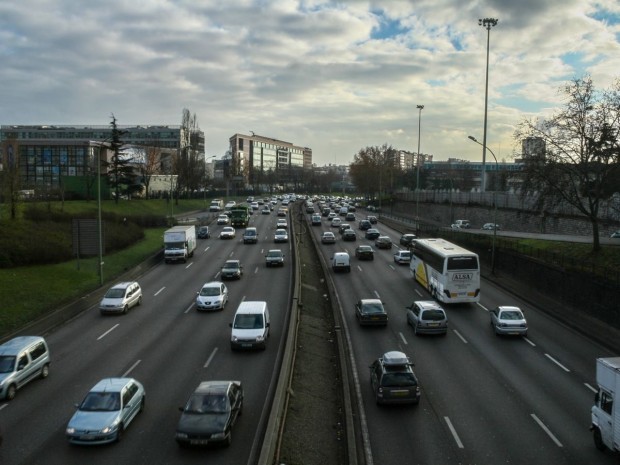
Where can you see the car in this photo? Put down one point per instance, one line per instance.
(349, 235)
(350, 216)
(210, 414)
(254, 205)
(615, 235)
(383, 242)
(427, 317)
(343, 227)
(223, 219)
(250, 236)
(336, 222)
(372, 219)
(393, 380)
(328, 238)
(121, 297)
(22, 360)
(402, 257)
(316, 220)
(331, 216)
(407, 239)
(506, 320)
(282, 223)
(343, 211)
(280, 236)
(341, 261)
(232, 269)
(274, 257)
(364, 252)
(282, 211)
(364, 225)
(371, 312)
(372, 233)
(325, 212)
(212, 296)
(266, 210)
(227, 232)
(203, 232)
(491, 226)
(230, 204)
(463, 224)
(310, 209)
(106, 411)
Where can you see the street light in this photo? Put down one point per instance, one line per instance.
(494, 206)
(204, 188)
(417, 176)
(488, 23)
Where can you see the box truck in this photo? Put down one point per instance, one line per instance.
(605, 425)
(179, 243)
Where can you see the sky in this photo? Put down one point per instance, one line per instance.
(333, 76)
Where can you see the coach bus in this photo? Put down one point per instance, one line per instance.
(449, 272)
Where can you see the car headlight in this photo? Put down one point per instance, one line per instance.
(181, 435)
(260, 338)
(70, 431)
(218, 436)
(233, 338)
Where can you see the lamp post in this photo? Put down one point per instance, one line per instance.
(417, 174)
(494, 206)
(99, 228)
(488, 23)
(204, 188)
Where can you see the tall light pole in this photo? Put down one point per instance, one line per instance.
(417, 175)
(488, 23)
(99, 226)
(494, 206)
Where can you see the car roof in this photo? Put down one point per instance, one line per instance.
(394, 358)
(371, 301)
(111, 384)
(122, 285)
(212, 284)
(328, 233)
(274, 250)
(281, 231)
(426, 304)
(231, 262)
(509, 308)
(364, 247)
(206, 387)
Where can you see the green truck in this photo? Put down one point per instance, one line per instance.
(240, 216)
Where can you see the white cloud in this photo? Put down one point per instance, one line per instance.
(333, 76)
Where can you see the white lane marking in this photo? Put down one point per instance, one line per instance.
(3, 406)
(210, 358)
(482, 307)
(402, 336)
(454, 434)
(557, 363)
(418, 292)
(231, 253)
(189, 308)
(462, 338)
(190, 264)
(378, 296)
(131, 368)
(207, 248)
(529, 342)
(593, 389)
(546, 430)
(108, 331)
(158, 292)
(359, 267)
(255, 270)
(391, 266)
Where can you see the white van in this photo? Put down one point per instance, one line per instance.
(22, 359)
(250, 327)
(341, 261)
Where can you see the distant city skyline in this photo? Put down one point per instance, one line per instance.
(332, 76)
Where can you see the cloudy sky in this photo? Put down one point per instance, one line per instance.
(332, 76)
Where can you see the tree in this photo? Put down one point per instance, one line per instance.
(120, 172)
(581, 157)
(373, 169)
(150, 166)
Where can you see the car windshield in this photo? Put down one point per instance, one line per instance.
(231, 266)
(433, 315)
(274, 254)
(398, 379)
(209, 291)
(115, 293)
(248, 321)
(7, 363)
(372, 308)
(207, 403)
(101, 402)
(511, 315)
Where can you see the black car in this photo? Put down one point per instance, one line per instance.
(364, 252)
(203, 232)
(371, 312)
(372, 233)
(393, 380)
(349, 235)
(407, 239)
(372, 219)
(232, 269)
(210, 414)
(365, 225)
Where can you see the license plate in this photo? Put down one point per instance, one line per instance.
(199, 441)
(87, 437)
(433, 324)
(246, 345)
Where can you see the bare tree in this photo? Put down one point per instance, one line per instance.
(581, 156)
(150, 165)
(373, 169)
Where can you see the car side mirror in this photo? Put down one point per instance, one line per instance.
(181, 409)
(267, 325)
(230, 324)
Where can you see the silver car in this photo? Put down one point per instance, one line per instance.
(212, 296)
(106, 411)
(427, 317)
(508, 320)
(121, 297)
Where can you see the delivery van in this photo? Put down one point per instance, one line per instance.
(250, 326)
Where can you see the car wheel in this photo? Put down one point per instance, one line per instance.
(598, 439)
(228, 441)
(10, 392)
(119, 433)
(125, 308)
(139, 300)
(142, 404)
(45, 371)
(415, 330)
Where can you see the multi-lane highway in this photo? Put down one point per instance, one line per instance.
(169, 347)
(485, 399)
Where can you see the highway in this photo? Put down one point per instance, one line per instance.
(169, 347)
(485, 399)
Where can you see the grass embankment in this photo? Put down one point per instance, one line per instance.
(29, 292)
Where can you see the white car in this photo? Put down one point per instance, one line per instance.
(508, 320)
(227, 233)
(223, 219)
(281, 223)
(212, 296)
(402, 257)
(491, 226)
(336, 222)
(280, 236)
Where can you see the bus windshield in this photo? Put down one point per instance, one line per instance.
(462, 263)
